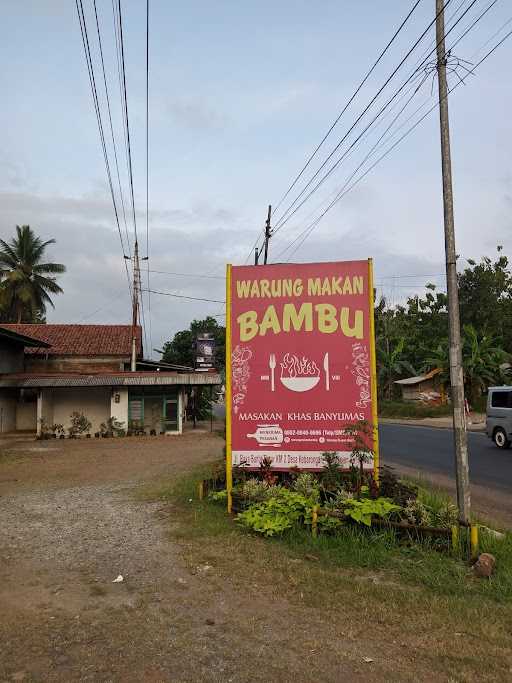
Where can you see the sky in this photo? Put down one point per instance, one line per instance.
(240, 94)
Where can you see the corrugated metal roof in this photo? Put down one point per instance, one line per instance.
(123, 379)
(418, 379)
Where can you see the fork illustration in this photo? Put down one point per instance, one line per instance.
(272, 364)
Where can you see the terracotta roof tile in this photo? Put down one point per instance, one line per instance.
(80, 340)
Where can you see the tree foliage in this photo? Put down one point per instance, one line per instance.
(180, 349)
(26, 282)
(415, 335)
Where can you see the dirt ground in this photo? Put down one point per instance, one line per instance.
(70, 524)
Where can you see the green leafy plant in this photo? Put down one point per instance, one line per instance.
(390, 486)
(112, 427)
(277, 514)
(361, 434)
(338, 501)
(331, 471)
(307, 485)
(57, 429)
(218, 496)
(362, 511)
(79, 424)
(253, 489)
(416, 512)
(44, 428)
(446, 515)
(266, 471)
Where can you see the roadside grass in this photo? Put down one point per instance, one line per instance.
(411, 409)
(379, 586)
(418, 562)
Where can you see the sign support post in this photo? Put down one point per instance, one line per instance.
(227, 398)
(373, 370)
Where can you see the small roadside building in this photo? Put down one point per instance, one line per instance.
(47, 372)
(422, 387)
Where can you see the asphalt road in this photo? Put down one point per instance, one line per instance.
(430, 451)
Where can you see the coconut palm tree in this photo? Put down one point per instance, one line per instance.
(25, 281)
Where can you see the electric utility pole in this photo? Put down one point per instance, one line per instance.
(268, 233)
(136, 293)
(456, 371)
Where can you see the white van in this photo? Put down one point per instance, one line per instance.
(498, 424)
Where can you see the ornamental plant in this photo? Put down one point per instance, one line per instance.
(362, 511)
(79, 424)
(307, 485)
(277, 514)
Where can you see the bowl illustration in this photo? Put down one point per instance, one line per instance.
(299, 373)
(300, 383)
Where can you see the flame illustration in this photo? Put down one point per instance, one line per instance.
(293, 366)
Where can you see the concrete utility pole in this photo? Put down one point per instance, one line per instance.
(135, 305)
(268, 233)
(456, 371)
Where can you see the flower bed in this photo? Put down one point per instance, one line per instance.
(270, 503)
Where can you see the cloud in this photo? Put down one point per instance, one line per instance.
(196, 114)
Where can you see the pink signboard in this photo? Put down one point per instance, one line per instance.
(301, 365)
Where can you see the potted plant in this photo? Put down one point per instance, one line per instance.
(79, 425)
(44, 431)
(58, 431)
(112, 427)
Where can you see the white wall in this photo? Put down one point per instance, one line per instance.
(93, 402)
(26, 416)
(7, 414)
(119, 411)
(181, 409)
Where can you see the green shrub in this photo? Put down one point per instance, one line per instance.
(416, 512)
(277, 514)
(307, 485)
(362, 511)
(412, 409)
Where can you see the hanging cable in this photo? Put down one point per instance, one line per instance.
(336, 121)
(114, 146)
(347, 105)
(126, 118)
(92, 81)
(147, 173)
(344, 190)
(284, 219)
(191, 298)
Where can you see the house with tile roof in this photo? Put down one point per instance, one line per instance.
(48, 372)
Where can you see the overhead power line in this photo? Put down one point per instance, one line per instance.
(147, 174)
(191, 298)
(336, 121)
(210, 277)
(349, 102)
(94, 92)
(289, 212)
(114, 146)
(344, 190)
(126, 117)
(129, 148)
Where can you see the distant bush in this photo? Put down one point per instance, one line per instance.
(412, 409)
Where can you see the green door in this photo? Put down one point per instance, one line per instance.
(170, 414)
(136, 412)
